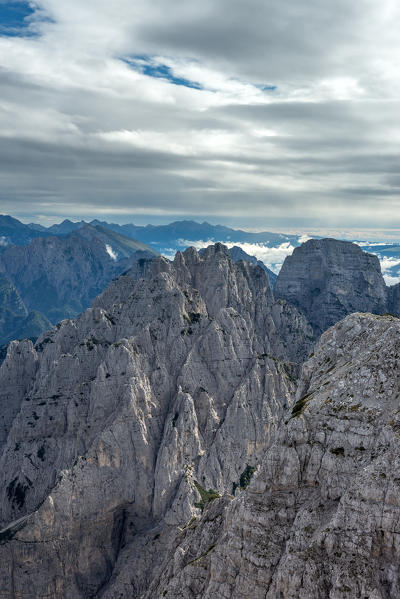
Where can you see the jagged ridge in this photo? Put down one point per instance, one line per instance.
(112, 423)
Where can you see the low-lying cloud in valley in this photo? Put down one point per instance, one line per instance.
(272, 257)
(390, 269)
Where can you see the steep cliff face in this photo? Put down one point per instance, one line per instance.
(12, 309)
(60, 276)
(393, 294)
(328, 279)
(320, 518)
(238, 254)
(126, 422)
(15, 321)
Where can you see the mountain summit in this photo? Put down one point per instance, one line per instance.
(328, 279)
(127, 421)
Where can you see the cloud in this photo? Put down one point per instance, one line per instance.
(372, 244)
(303, 238)
(263, 114)
(273, 257)
(390, 280)
(390, 268)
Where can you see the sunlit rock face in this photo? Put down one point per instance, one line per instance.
(120, 427)
(320, 517)
(327, 279)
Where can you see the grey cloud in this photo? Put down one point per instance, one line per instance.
(295, 156)
(263, 40)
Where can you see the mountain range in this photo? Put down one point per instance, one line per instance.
(56, 277)
(167, 239)
(192, 435)
(58, 271)
(163, 238)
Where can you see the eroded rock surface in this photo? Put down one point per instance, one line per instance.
(328, 279)
(129, 419)
(393, 293)
(321, 517)
(60, 276)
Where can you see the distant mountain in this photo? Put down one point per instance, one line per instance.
(238, 254)
(30, 328)
(12, 309)
(36, 227)
(180, 234)
(15, 320)
(163, 238)
(119, 246)
(327, 279)
(13, 231)
(67, 226)
(57, 277)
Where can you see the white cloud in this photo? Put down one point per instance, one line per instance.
(198, 245)
(3, 242)
(388, 262)
(371, 244)
(80, 129)
(389, 280)
(273, 257)
(303, 238)
(390, 269)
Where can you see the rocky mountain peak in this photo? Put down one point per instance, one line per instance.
(164, 444)
(328, 279)
(319, 518)
(130, 419)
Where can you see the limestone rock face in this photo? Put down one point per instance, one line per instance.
(121, 425)
(393, 293)
(328, 279)
(237, 254)
(320, 517)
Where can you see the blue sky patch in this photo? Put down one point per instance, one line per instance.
(14, 18)
(145, 65)
(267, 88)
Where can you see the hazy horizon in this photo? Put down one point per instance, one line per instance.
(260, 115)
(351, 234)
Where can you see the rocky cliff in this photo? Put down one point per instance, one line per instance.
(320, 517)
(328, 279)
(237, 254)
(60, 276)
(123, 425)
(394, 299)
(15, 321)
(12, 308)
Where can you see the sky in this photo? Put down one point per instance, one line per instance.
(256, 113)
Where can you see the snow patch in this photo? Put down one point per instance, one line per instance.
(111, 252)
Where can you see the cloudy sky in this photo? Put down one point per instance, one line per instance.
(259, 113)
